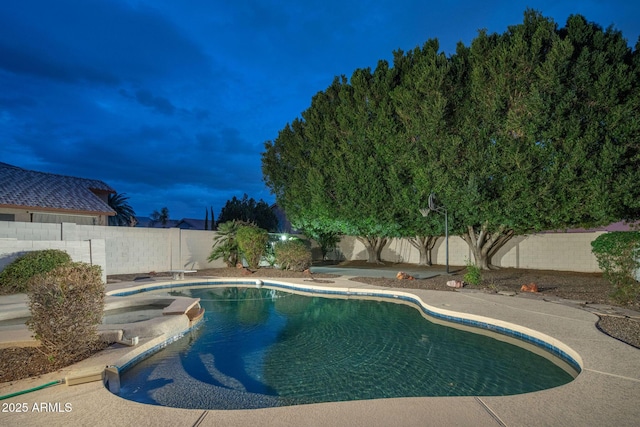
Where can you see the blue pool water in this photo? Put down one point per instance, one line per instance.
(264, 348)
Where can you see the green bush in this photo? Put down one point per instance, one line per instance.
(252, 242)
(225, 245)
(328, 241)
(293, 255)
(66, 306)
(473, 276)
(618, 255)
(270, 250)
(15, 277)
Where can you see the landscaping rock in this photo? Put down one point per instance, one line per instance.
(455, 284)
(404, 276)
(531, 287)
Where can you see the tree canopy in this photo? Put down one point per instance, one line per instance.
(248, 210)
(533, 129)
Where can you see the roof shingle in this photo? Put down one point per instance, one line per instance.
(22, 188)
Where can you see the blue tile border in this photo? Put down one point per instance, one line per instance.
(153, 350)
(383, 295)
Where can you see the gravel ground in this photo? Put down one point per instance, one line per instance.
(580, 289)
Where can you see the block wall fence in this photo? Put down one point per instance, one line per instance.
(130, 250)
(546, 251)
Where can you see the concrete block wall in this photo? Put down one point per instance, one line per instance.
(552, 251)
(131, 250)
(141, 250)
(549, 251)
(127, 250)
(30, 231)
(402, 251)
(89, 251)
(459, 252)
(196, 246)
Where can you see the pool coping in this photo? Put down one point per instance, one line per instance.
(606, 391)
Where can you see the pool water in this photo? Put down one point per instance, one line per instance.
(264, 348)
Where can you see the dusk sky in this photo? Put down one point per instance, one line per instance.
(171, 101)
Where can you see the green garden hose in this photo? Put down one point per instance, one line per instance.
(29, 390)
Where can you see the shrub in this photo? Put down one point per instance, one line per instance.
(66, 306)
(270, 249)
(225, 245)
(473, 276)
(328, 241)
(252, 242)
(618, 255)
(15, 277)
(293, 255)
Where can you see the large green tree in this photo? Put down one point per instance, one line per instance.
(422, 106)
(529, 130)
(492, 169)
(532, 140)
(328, 170)
(590, 98)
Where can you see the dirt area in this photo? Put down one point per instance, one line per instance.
(26, 362)
(580, 288)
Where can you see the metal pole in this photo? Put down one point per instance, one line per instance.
(446, 237)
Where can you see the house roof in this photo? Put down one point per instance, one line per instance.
(147, 222)
(22, 188)
(184, 223)
(191, 224)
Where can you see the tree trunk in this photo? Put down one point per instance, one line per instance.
(374, 246)
(485, 244)
(424, 244)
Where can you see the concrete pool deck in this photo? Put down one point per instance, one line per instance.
(607, 391)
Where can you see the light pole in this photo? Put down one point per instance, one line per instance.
(440, 209)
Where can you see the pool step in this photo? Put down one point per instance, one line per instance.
(182, 306)
(195, 313)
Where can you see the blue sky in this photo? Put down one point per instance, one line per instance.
(171, 101)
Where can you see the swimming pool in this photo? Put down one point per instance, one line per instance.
(264, 348)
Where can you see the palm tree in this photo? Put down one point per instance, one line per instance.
(225, 245)
(125, 215)
(162, 216)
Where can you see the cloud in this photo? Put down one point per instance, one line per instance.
(97, 41)
(27, 60)
(158, 104)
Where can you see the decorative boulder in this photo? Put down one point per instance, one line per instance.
(455, 284)
(531, 287)
(404, 276)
